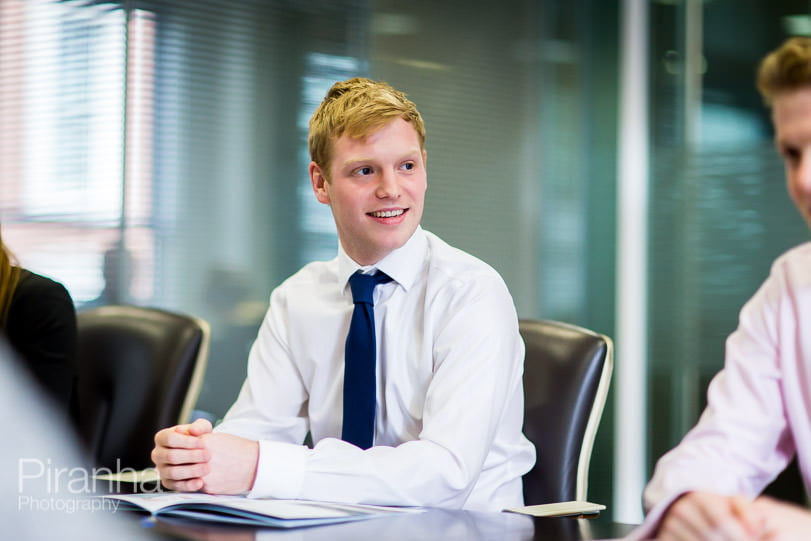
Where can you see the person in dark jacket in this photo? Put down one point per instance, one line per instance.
(38, 318)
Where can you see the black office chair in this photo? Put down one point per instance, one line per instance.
(567, 371)
(139, 370)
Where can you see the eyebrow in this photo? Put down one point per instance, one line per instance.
(359, 161)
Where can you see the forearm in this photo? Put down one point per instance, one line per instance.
(419, 473)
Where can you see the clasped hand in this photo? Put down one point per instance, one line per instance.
(703, 516)
(192, 458)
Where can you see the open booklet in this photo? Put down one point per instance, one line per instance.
(249, 511)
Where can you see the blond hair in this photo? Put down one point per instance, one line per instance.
(358, 107)
(9, 276)
(785, 69)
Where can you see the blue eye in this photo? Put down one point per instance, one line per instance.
(408, 166)
(363, 171)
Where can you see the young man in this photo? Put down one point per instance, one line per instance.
(446, 394)
(758, 412)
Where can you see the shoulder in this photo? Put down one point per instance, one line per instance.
(40, 305)
(454, 270)
(789, 272)
(467, 301)
(788, 286)
(794, 259)
(455, 263)
(35, 288)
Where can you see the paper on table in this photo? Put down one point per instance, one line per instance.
(560, 509)
(248, 511)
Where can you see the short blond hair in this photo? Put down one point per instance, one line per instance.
(785, 69)
(358, 107)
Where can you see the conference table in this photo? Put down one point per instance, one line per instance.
(431, 524)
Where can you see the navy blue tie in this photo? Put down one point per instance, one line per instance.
(360, 383)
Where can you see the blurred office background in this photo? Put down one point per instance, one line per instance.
(154, 152)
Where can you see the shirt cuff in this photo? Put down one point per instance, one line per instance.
(279, 470)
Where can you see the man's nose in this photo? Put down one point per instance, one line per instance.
(388, 186)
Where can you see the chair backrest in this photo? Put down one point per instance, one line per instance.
(567, 371)
(139, 370)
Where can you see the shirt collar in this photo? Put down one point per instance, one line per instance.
(403, 264)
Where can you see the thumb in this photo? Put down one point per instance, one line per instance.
(200, 427)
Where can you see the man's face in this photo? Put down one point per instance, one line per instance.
(791, 114)
(376, 190)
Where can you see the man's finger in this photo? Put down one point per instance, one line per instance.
(730, 528)
(164, 456)
(191, 485)
(750, 516)
(177, 440)
(186, 472)
(684, 520)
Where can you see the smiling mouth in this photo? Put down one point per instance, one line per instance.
(386, 213)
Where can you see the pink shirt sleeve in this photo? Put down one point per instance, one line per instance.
(757, 406)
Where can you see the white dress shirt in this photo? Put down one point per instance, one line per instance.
(450, 402)
(758, 407)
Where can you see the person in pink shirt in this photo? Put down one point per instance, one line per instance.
(758, 414)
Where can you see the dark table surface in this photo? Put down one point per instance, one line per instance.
(432, 524)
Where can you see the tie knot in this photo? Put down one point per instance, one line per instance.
(363, 285)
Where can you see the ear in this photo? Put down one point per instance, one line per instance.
(424, 158)
(319, 182)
